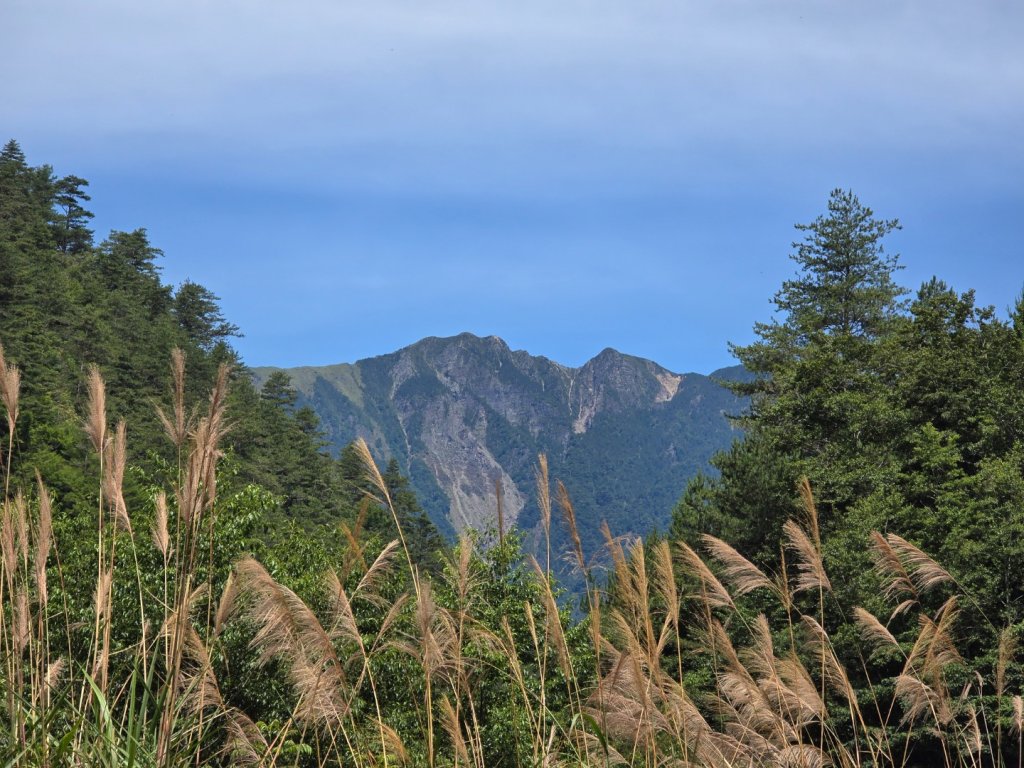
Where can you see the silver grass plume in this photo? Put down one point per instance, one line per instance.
(161, 536)
(115, 451)
(740, 573)
(872, 630)
(44, 541)
(288, 630)
(924, 572)
(896, 581)
(367, 588)
(809, 564)
(96, 416)
(544, 492)
(712, 590)
(565, 503)
(10, 388)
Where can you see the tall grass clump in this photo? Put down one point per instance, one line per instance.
(687, 654)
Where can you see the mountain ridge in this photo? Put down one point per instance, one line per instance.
(462, 412)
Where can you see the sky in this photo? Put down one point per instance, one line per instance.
(350, 177)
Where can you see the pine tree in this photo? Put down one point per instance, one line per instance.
(822, 368)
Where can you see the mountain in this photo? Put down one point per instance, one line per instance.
(460, 413)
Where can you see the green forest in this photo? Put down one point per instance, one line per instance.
(189, 577)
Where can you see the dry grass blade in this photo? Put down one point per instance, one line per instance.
(10, 388)
(712, 590)
(565, 504)
(354, 553)
(8, 546)
(835, 673)
(218, 401)
(199, 689)
(922, 687)
(624, 632)
(972, 733)
(920, 699)
(586, 743)
(746, 703)
(161, 536)
(803, 756)
(811, 511)
(44, 540)
(245, 744)
(177, 429)
(809, 564)
(197, 492)
(167, 424)
(625, 586)
(178, 375)
(344, 625)
(924, 572)
(922, 643)
(436, 633)
(102, 602)
(381, 567)
(20, 629)
(113, 475)
(641, 609)
(544, 492)
(717, 641)
(739, 572)
(102, 593)
(798, 680)
(872, 630)
(665, 584)
(393, 743)
(289, 631)
(450, 721)
(226, 605)
(96, 417)
(54, 671)
(614, 546)
(903, 607)
(896, 581)
(630, 712)
(1005, 655)
(553, 621)
(462, 578)
(21, 541)
(759, 656)
(752, 742)
(942, 650)
(373, 474)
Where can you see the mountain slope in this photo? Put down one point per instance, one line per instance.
(460, 413)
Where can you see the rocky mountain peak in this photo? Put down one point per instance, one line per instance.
(462, 412)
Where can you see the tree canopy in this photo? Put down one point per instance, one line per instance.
(906, 415)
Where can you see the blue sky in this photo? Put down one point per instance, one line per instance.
(350, 177)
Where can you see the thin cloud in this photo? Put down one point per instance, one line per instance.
(422, 75)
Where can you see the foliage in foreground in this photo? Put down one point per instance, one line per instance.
(687, 661)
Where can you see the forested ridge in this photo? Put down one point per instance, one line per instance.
(67, 303)
(189, 578)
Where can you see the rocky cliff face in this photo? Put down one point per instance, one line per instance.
(463, 413)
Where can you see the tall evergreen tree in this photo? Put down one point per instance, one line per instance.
(199, 315)
(906, 417)
(70, 216)
(820, 372)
